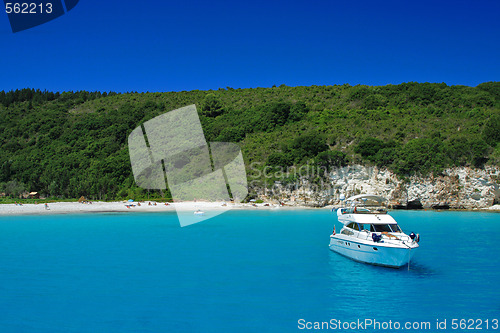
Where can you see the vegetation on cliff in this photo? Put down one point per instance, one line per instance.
(75, 143)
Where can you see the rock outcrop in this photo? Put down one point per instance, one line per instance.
(459, 188)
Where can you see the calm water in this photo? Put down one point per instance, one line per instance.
(243, 271)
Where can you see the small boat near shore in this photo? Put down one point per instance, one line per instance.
(370, 235)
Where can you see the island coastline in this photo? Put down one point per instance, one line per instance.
(156, 207)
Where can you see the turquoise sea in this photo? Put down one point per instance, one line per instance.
(243, 271)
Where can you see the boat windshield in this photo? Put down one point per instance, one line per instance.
(374, 227)
(354, 225)
(395, 228)
(385, 228)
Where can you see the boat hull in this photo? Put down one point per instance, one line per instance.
(380, 254)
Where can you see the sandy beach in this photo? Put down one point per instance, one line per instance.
(124, 206)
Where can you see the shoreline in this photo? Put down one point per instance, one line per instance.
(124, 206)
(189, 206)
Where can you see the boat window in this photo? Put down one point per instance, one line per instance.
(382, 228)
(352, 225)
(365, 226)
(395, 228)
(347, 232)
(361, 210)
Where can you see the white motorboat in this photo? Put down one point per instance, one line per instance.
(370, 235)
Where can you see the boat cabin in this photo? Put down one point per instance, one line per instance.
(374, 227)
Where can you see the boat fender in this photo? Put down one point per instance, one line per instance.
(415, 237)
(376, 238)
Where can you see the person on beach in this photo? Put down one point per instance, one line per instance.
(47, 206)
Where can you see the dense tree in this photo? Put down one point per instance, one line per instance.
(422, 156)
(212, 106)
(491, 131)
(369, 147)
(279, 159)
(331, 159)
(306, 146)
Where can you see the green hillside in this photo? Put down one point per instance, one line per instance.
(75, 143)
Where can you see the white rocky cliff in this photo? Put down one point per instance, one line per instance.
(459, 188)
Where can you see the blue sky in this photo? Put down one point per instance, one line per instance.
(172, 46)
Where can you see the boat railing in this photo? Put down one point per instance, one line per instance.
(366, 234)
(364, 210)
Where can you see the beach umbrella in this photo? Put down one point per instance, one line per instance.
(130, 200)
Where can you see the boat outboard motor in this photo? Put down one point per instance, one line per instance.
(414, 237)
(376, 238)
